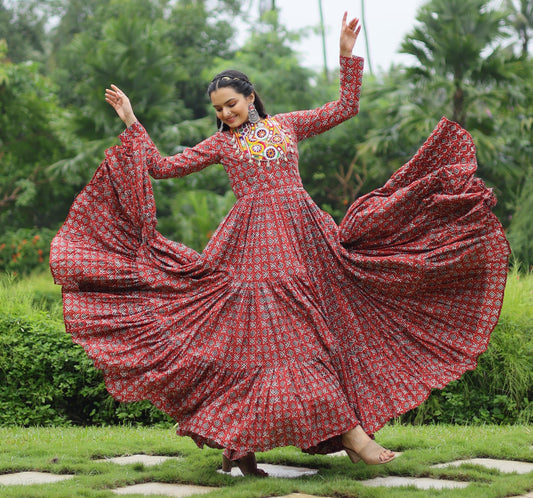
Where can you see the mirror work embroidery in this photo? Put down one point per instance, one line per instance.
(263, 140)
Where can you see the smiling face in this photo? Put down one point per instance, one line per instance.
(231, 107)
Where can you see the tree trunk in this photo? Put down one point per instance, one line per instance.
(459, 111)
(525, 44)
(365, 32)
(323, 34)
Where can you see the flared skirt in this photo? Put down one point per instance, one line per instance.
(287, 329)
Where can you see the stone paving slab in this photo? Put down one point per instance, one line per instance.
(27, 478)
(418, 482)
(148, 460)
(302, 495)
(163, 489)
(282, 471)
(342, 453)
(507, 466)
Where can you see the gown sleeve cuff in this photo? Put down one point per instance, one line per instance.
(353, 61)
(131, 132)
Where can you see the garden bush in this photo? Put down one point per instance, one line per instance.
(46, 379)
(24, 250)
(500, 389)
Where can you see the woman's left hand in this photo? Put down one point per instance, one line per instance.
(349, 33)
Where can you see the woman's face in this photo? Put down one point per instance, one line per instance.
(231, 107)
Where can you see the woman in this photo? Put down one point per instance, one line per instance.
(287, 329)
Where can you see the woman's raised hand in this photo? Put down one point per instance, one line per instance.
(349, 33)
(117, 99)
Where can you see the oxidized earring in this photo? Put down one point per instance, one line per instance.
(221, 127)
(253, 115)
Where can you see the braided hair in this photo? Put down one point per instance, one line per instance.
(241, 84)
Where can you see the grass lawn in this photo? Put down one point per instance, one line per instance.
(75, 451)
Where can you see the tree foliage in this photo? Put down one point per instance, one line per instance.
(126, 43)
(521, 22)
(29, 142)
(470, 62)
(22, 26)
(454, 45)
(272, 65)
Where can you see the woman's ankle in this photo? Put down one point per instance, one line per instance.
(355, 438)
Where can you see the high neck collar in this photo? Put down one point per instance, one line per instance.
(245, 127)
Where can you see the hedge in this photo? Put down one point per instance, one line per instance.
(46, 379)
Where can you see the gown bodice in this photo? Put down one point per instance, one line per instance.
(262, 156)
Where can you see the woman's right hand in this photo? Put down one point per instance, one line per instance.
(117, 99)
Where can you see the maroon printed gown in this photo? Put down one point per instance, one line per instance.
(287, 329)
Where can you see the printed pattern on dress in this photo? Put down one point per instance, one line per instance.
(287, 329)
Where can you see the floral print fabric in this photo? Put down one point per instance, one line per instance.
(287, 329)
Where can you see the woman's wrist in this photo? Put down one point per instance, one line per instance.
(129, 120)
(346, 54)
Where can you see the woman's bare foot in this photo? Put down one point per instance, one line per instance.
(247, 465)
(359, 445)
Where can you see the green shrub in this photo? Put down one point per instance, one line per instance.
(500, 389)
(46, 379)
(521, 227)
(25, 250)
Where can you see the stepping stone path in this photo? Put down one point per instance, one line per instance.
(417, 482)
(506, 466)
(147, 460)
(27, 478)
(154, 488)
(159, 488)
(282, 471)
(279, 471)
(301, 495)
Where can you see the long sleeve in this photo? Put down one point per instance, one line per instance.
(307, 123)
(188, 161)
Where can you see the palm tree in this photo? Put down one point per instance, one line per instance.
(521, 19)
(365, 32)
(459, 71)
(323, 35)
(455, 45)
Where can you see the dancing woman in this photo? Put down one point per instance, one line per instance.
(288, 329)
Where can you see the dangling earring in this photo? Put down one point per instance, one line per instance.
(253, 115)
(221, 127)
